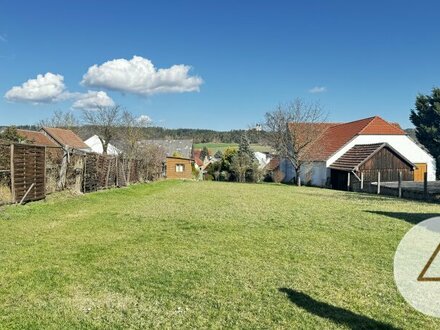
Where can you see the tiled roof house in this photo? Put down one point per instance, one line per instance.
(35, 137)
(64, 138)
(335, 140)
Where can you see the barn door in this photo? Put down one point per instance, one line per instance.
(421, 168)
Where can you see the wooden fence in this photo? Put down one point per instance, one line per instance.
(30, 172)
(402, 187)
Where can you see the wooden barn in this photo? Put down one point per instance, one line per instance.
(367, 160)
(178, 168)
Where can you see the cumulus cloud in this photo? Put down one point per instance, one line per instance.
(43, 89)
(144, 119)
(318, 89)
(92, 100)
(140, 76)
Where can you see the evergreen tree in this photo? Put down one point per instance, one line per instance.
(218, 154)
(426, 119)
(244, 147)
(11, 134)
(204, 153)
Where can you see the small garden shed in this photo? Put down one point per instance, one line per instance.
(178, 168)
(367, 160)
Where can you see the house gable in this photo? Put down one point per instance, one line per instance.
(37, 138)
(64, 137)
(367, 156)
(336, 136)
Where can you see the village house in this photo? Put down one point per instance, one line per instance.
(35, 137)
(369, 145)
(179, 157)
(95, 145)
(65, 138)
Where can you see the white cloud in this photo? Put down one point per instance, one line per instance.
(43, 89)
(139, 76)
(318, 89)
(144, 119)
(92, 100)
(3, 38)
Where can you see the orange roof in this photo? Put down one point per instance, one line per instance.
(336, 136)
(65, 137)
(35, 137)
(197, 159)
(273, 164)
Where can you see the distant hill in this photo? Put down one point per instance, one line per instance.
(198, 135)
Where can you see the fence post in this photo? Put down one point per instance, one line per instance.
(362, 180)
(348, 182)
(425, 185)
(399, 184)
(378, 182)
(12, 174)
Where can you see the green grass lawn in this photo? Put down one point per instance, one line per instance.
(214, 147)
(180, 254)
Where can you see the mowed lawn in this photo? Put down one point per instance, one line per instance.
(206, 255)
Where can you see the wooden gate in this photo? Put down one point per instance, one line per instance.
(28, 172)
(419, 172)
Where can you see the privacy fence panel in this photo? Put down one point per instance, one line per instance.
(28, 172)
(5, 174)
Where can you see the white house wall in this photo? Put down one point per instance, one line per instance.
(314, 173)
(287, 168)
(402, 143)
(96, 146)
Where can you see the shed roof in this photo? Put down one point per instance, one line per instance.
(360, 153)
(65, 137)
(35, 137)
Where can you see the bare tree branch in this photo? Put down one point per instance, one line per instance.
(106, 121)
(292, 128)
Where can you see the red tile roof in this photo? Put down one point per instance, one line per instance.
(273, 164)
(197, 159)
(35, 137)
(65, 137)
(336, 136)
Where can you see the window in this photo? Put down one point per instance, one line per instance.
(180, 168)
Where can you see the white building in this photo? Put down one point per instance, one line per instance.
(335, 140)
(262, 158)
(95, 145)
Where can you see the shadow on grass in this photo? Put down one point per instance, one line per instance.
(338, 315)
(412, 218)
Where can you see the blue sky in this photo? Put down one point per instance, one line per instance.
(241, 58)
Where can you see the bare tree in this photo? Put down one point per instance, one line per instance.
(241, 164)
(292, 128)
(61, 119)
(132, 133)
(106, 121)
(153, 158)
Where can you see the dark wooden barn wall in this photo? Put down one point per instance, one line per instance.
(389, 164)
